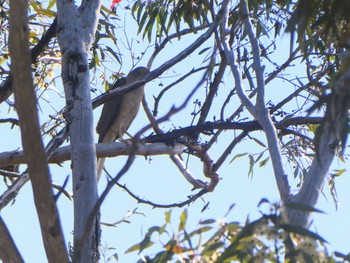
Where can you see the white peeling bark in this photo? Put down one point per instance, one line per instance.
(75, 31)
(314, 180)
(328, 141)
(257, 110)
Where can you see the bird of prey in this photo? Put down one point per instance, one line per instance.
(119, 112)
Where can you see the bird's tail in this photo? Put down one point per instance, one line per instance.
(99, 167)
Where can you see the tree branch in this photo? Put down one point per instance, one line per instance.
(212, 90)
(135, 140)
(8, 249)
(228, 150)
(190, 199)
(166, 65)
(103, 150)
(259, 111)
(31, 139)
(314, 180)
(176, 158)
(58, 155)
(161, 46)
(258, 68)
(329, 136)
(6, 87)
(237, 74)
(75, 48)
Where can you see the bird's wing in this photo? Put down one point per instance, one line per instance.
(120, 82)
(110, 111)
(109, 114)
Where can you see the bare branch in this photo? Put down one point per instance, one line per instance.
(259, 110)
(186, 173)
(208, 170)
(190, 199)
(103, 150)
(6, 87)
(31, 139)
(125, 219)
(228, 151)
(10, 120)
(166, 65)
(176, 158)
(161, 94)
(233, 64)
(8, 250)
(262, 115)
(258, 68)
(13, 190)
(9, 174)
(169, 38)
(209, 127)
(212, 90)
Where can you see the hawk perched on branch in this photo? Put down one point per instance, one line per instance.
(119, 112)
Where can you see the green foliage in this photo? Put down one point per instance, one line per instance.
(323, 27)
(163, 14)
(252, 160)
(327, 18)
(160, 16)
(269, 238)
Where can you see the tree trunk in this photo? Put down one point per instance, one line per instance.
(26, 107)
(75, 31)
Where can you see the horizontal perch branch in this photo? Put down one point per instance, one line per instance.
(103, 150)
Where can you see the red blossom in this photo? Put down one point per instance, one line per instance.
(114, 2)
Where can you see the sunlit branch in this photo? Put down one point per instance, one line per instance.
(258, 68)
(123, 220)
(8, 174)
(10, 194)
(259, 111)
(234, 66)
(186, 172)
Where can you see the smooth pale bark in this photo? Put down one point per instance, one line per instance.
(314, 180)
(330, 134)
(75, 31)
(328, 141)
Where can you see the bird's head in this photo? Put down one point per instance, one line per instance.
(136, 74)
